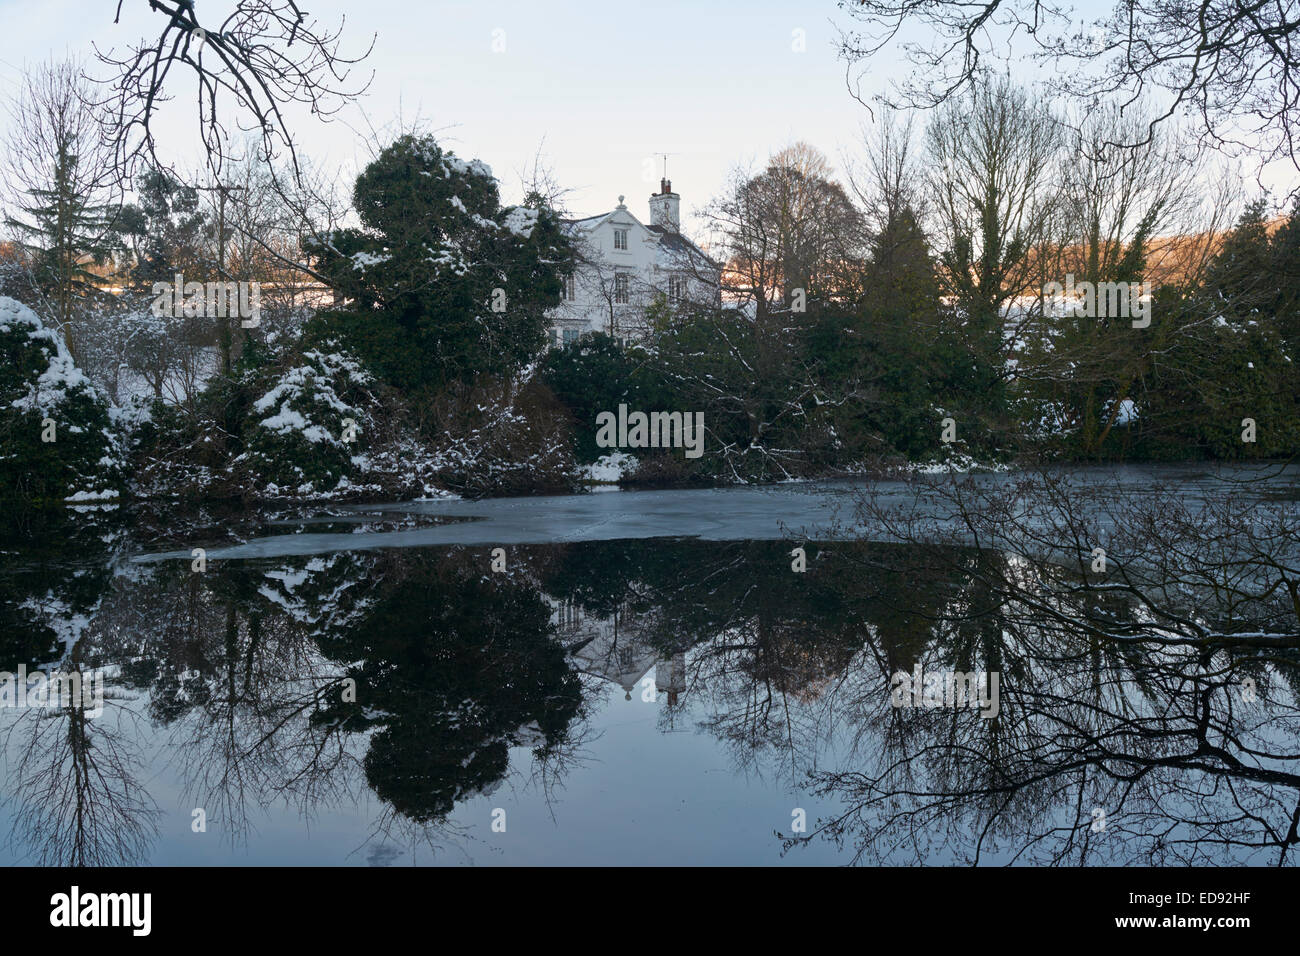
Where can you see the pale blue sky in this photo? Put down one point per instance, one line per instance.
(606, 84)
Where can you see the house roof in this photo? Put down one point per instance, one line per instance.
(678, 244)
(673, 243)
(589, 219)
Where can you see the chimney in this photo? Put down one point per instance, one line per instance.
(666, 208)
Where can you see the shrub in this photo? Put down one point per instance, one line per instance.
(41, 389)
(304, 431)
(504, 440)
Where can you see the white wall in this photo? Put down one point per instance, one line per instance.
(593, 307)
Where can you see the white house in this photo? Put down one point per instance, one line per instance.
(624, 265)
(617, 649)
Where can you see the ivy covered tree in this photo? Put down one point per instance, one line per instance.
(441, 282)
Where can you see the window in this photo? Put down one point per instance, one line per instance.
(676, 288)
(620, 289)
(620, 239)
(571, 336)
(570, 288)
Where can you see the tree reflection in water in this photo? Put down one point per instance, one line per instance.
(1148, 708)
(1160, 694)
(71, 776)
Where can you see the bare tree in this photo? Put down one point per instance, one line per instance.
(259, 216)
(265, 60)
(790, 227)
(993, 157)
(889, 180)
(1231, 66)
(541, 186)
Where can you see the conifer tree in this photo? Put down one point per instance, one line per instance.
(62, 212)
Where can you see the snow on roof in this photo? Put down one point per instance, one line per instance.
(677, 244)
(673, 243)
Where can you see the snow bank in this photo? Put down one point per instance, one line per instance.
(611, 467)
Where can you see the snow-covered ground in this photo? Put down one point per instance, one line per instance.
(610, 468)
(175, 387)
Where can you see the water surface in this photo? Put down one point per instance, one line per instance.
(647, 681)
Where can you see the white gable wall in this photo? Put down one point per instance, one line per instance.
(645, 267)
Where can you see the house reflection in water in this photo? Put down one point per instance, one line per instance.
(613, 648)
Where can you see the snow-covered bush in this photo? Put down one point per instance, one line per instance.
(661, 470)
(611, 468)
(58, 439)
(291, 420)
(304, 431)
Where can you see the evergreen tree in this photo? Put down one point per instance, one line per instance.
(1286, 279)
(61, 217)
(1240, 277)
(442, 282)
(165, 230)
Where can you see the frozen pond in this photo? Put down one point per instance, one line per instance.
(807, 510)
(629, 678)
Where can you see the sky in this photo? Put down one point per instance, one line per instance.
(602, 88)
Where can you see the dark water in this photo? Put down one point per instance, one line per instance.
(326, 699)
